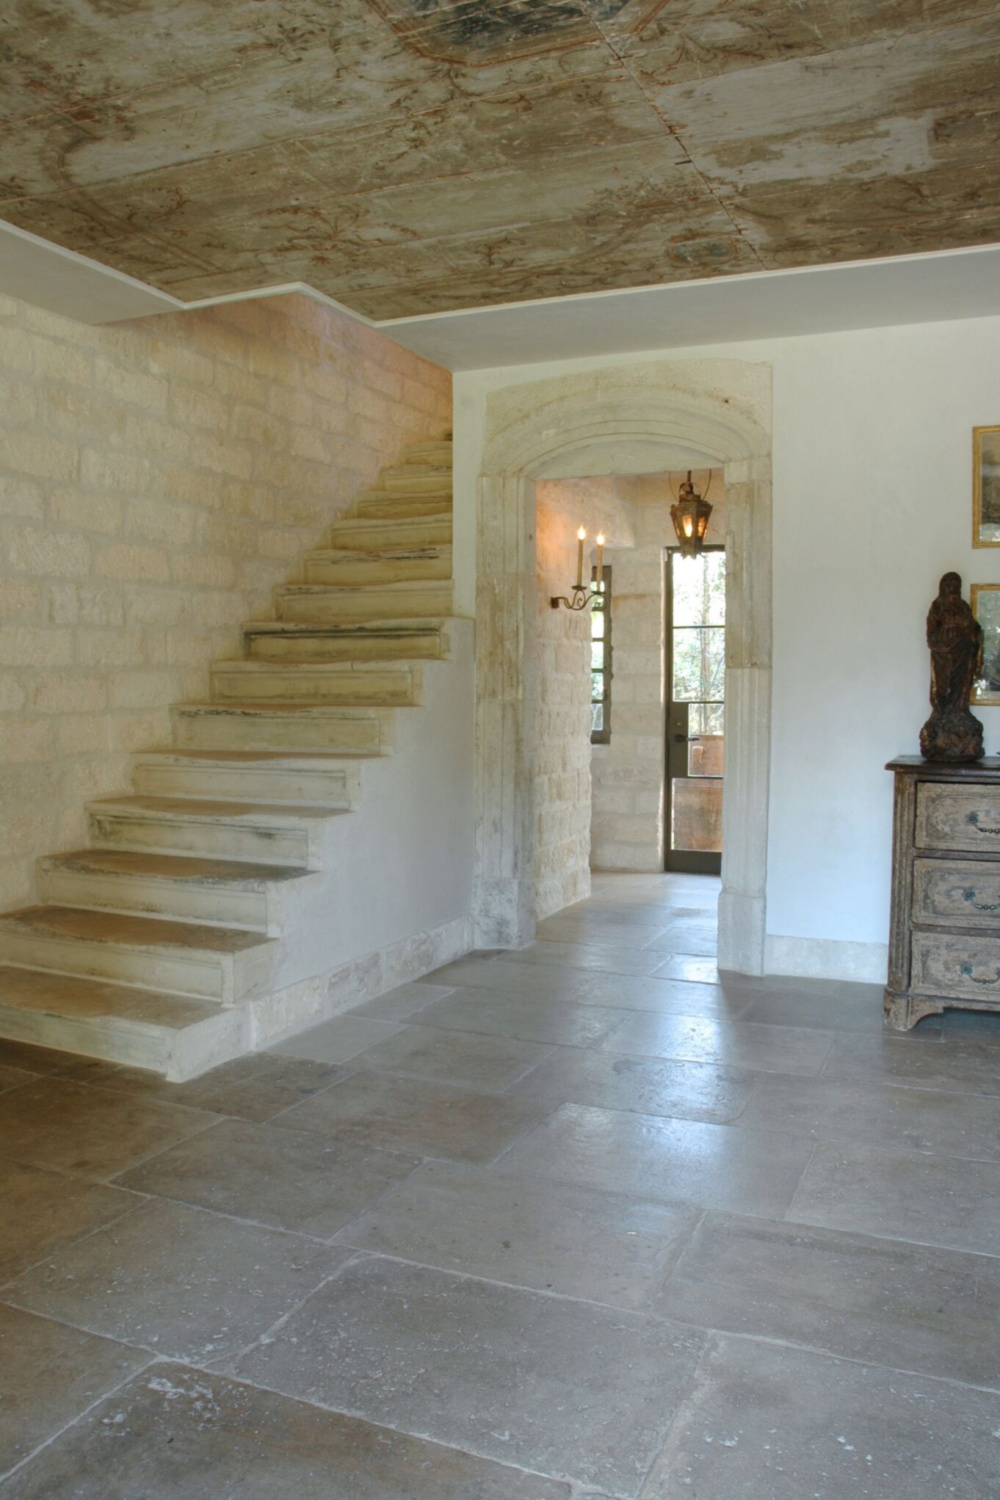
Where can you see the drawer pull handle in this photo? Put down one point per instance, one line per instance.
(970, 896)
(967, 971)
(982, 827)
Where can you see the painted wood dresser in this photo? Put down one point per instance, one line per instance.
(944, 940)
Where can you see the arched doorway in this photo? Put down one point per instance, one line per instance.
(627, 419)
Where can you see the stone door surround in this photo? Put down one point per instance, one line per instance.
(634, 418)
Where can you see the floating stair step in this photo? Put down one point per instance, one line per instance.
(223, 964)
(438, 455)
(295, 641)
(397, 505)
(266, 726)
(252, 775)
(219, 892)
(372, 535)
(387, 565)
(171, 1034)
(258, 832)
(414, 479)
(308, 601)
(355, 684)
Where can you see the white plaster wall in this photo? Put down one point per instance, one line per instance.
(872, 502)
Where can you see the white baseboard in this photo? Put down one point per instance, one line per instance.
(826, 958)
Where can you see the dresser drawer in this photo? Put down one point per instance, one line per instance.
(963, 967)
(960, 892)
(958, 817)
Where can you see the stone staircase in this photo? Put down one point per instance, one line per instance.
(155, 945)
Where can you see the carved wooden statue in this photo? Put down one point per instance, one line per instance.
(955, 637)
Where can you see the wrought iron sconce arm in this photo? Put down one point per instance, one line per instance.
(582, 597)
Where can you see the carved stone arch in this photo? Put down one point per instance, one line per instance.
(630, 419)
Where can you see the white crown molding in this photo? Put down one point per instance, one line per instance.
(938, 286)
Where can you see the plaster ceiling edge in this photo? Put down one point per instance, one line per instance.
(929, 287)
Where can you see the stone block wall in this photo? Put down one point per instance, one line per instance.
(157, 478)
(562, 779)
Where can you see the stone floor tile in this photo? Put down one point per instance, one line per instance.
(42, 1211)
(337, 1040)
(45, 1060)
(90, 1131)
(695, 968)
(698, 938)
(672, 1161)
(875, 1300)
(644, 1085)
(607, 958)
(401, 1003)
(183, 1283)
(935, 1200)
(618, 991)
(533, 1018)
(290, 1180)
(12, 1078)
(174, 1433)
(562, 929)
(780, 1424)
(284, 1081)
(738, 1044)
(546, 1235)
(831, 1011)
(49, 1374)
(557, 1386)
(962, 1067)
(414, 1116)
(474, 1059)
(962, 1025)
(909, 1119)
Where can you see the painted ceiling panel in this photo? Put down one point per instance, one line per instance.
(417, 156)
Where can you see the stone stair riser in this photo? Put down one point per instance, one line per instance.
(158, 1048)
(354, 573)
(389, 507)
(437, 454)
(363, 604)
(233, 730)
(293, 685)
(220, 977)
(217, 839)
(184, 901)
(298, 646)
(369, 536)
(334, 786)
(415, 479)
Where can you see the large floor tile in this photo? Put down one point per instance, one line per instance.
(475, 1059)
(716, 1166)
(908, 1119)
(557, 1386)
(180, 1282)
(547, 1235)
(533, 1018)
(337, 1040)
(740, 1044)
(49, 1374)
(964, 1067)
(291, 1180)
(645, 1085)
(41, 1211)
(933, 1200)
(875, 1300)
(12, 1078)
(606, 958)
(414, 1116)
(619, 991)
(179, 1434)
(401, 1003)
(698, 939)
(835, 1009)
(90, 1131)
(779, 1424)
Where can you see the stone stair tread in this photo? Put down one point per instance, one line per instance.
(122, 929)
(403, 586)
(418, 625)
(174, 867)
(290, 758)
(380, 666)
(218, 810)
(46, 992)
(419, 551)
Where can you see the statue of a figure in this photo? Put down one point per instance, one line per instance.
(956, 640)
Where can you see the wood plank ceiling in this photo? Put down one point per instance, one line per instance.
(417, 156)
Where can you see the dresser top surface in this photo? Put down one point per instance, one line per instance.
(987, 769)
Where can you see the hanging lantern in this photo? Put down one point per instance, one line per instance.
(690, 517)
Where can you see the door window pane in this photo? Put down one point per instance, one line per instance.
(699, 664)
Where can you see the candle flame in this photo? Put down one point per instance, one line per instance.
(581, 535)
(600, 538)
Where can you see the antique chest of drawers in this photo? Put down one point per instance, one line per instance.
(944, 940)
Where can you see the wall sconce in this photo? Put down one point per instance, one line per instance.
(583, 596)
(690, 517)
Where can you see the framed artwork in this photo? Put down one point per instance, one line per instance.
(986, 608)
(986, 487)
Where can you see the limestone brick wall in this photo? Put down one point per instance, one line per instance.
(629, 774)
(156, 479)
(562, 785)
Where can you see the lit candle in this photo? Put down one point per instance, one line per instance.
(581, 537)
(600, 557)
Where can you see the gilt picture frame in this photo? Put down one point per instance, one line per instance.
(985, 600)
(986, 486)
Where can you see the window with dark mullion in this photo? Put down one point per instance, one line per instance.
(600, 661)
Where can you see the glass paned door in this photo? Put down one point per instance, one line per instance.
(696, 673)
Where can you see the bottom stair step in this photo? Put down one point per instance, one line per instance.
(170, 1034)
